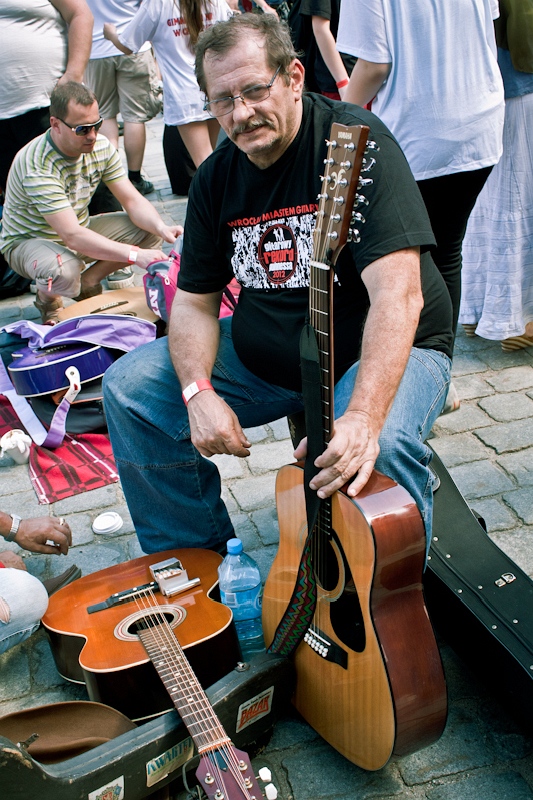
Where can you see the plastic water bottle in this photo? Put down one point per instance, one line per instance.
(241, 590)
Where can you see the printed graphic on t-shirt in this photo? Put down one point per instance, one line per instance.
(272, 250)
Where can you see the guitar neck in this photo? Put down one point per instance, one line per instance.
(183, 687)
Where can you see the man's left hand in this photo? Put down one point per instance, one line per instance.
(352, 450)
(171, 232)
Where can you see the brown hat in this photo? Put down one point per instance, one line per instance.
(64, 730)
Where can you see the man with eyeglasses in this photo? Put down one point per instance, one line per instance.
(251, 214)
(47, 234)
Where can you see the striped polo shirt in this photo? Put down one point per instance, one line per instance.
(43, 181)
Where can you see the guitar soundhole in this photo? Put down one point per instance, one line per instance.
(128, 628)
(345, 614)
(326, 562)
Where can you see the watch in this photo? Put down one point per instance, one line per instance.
(10, 537)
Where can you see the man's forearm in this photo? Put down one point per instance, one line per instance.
(193, 338)
(79, 19)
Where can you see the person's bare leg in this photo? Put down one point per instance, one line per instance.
(110, 130)
(197, 138)
(97, 272)
(134, 144)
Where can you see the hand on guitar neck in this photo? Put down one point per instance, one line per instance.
(352, 450)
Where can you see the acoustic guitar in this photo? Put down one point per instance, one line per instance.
(369, 674)
(150, 611)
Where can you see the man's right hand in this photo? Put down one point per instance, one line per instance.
(33, 535)
(215, 428)
(145, 257)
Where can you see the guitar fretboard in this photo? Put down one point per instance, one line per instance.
(183, 686)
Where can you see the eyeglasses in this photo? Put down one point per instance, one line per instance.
(251, 96)
(83, 130)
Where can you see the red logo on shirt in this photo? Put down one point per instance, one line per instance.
(277, 253)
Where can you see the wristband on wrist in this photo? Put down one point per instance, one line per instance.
(2, 566)
(10, 537)
(132, 258)
(343, 83)
(194, 388)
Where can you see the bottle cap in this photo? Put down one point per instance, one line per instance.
(108, 522)
(234, 547)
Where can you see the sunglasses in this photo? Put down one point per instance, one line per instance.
(83, 130)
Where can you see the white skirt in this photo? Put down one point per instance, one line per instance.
(497, 276)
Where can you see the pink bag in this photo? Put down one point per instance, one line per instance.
(161, 281)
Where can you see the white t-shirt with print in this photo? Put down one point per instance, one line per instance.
(120, 12)
(161, 22)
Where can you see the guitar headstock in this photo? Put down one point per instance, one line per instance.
(227, 774)
(346, 150)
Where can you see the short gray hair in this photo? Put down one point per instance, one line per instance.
(222, 37)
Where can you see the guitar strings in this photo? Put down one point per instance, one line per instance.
(206, 719)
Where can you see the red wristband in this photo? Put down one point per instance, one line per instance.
(194, 388)
(132, 258)
(343, 83)
(2, 566)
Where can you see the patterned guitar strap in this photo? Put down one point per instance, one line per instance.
(298, 615)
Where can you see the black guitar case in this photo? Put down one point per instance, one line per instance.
(139, 763)
(479, 599)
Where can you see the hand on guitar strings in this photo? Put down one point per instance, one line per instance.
(215, 427)
(50, 535)
(352, 450)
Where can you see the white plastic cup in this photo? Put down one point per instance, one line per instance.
(16, 444)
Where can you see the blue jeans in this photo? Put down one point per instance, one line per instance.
(173, 493)
(23, 601)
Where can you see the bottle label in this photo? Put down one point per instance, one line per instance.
(245, 604)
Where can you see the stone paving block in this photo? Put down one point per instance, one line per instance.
(91, 558)
(521, 501)
(291, 730)
(254, 493)
(61, 694)
(484, 787)
(266, 522)
(496, 514)
(460, 421)
(461, 747)
(80, 525)
(229, 466)
(507, 407)
(257, 434)
(469, 387)
(23, 503)
(270, 456)
(496, 359)
(480, 479)
(104, 497)
(246, 531)
(15, 479)
(517, 545)
(15, 671)
(507, 436)
(229, 500)
(467, 365)
(459, 448)
(318, 772)
(519, 465)
(280, 428)
(44, 670)
(513, 379)
(472, 344)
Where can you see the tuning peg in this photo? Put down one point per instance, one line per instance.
(333, 144)
(333, 235)
(350, 147)
(364, 182)
(372, 145)
(265, 774)
(357, 217)
(368, 165)
(346, 164)
(322, 196)
(354, 235)
(339, 200)
(270, 791)
(330, 161)
(335, 218)
(360, 200)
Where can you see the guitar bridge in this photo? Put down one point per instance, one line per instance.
(171, 577)
(323, 647)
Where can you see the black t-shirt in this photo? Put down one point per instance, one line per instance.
(257, 225)
(326, 9)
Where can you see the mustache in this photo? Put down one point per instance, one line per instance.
(246, 127)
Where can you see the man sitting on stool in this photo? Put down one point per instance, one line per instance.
(47, 233)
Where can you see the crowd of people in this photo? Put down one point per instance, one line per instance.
(235, 87)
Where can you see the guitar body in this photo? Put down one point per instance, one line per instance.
(41, 372)
(102, 650)
(380, 689)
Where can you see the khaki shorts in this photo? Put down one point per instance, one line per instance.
(42, 259)
(126, 84)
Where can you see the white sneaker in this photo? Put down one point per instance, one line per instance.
(120, 279)
(452, 401)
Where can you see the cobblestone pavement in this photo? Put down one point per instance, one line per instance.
(487, 446)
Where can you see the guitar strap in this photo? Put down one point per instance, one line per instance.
(301, 608)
